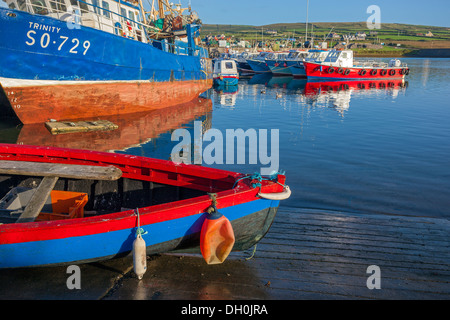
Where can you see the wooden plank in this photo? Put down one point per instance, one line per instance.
(61, 170)
(38, 200)
(56, 127)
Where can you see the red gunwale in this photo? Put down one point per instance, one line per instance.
(313, 70)
(227, 77)
(134, 167)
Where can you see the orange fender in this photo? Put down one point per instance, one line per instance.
(216, 238)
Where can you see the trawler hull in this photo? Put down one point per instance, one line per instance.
(49, 70)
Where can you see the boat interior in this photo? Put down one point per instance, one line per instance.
(61, 191)
(103, 197)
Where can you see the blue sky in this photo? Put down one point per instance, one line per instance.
(260, 12)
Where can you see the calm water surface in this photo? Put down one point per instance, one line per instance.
(362, 147)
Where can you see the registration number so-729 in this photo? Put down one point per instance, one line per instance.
(74, 45)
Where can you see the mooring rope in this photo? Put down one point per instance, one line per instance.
(253, 253)
(139, 230)
(259, 178)
(213, 207)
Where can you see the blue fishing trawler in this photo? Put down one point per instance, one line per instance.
(73, 59)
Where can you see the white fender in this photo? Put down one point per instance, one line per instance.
(139, 257)
(286, 193)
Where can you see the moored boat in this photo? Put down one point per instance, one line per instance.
(281, 63)
(242, 64)
(118, 197)
(315, 55)
(258, 63)
(339, 65)
(68, 60)
(225, 73)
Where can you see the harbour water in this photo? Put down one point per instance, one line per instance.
(368, 168)
(363, 148)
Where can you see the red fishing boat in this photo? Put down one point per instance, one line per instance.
(339, 65)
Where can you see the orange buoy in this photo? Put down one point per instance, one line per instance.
(216, 238)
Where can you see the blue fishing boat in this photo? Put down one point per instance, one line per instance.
(258, 63)
(225, 73)
(298, 69)
(281, 63)
(242, 64)
(72, 59)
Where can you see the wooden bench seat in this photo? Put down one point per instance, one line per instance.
(60, 170)
(51, 173)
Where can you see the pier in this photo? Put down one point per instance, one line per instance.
(307, 254)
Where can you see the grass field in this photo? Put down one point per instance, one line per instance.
(390, 33)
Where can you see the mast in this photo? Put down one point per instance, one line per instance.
(143, 12)
(306, 36)
(153, 12)
(161, 9)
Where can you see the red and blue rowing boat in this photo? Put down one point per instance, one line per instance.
(118, 197)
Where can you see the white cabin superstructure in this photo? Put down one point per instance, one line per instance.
(296, 55)
(316, 56)
(339, 58)
(125, 18)
(119, 17)
(225, 67)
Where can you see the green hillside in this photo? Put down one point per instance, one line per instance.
(388, 31)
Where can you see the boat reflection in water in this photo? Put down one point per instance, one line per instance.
(319, 93)
(150, 130)
(337, 94)
(226, 95)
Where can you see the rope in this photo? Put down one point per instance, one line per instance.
(259, 178)
(213, 207)
(253, 253)
(139, 230)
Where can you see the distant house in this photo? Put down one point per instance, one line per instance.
(360, 36)
(272, 32)
(419, 34)
(334, 35)
(347, 37)
(429, 34)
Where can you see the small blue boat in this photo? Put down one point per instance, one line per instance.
(225, 73)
